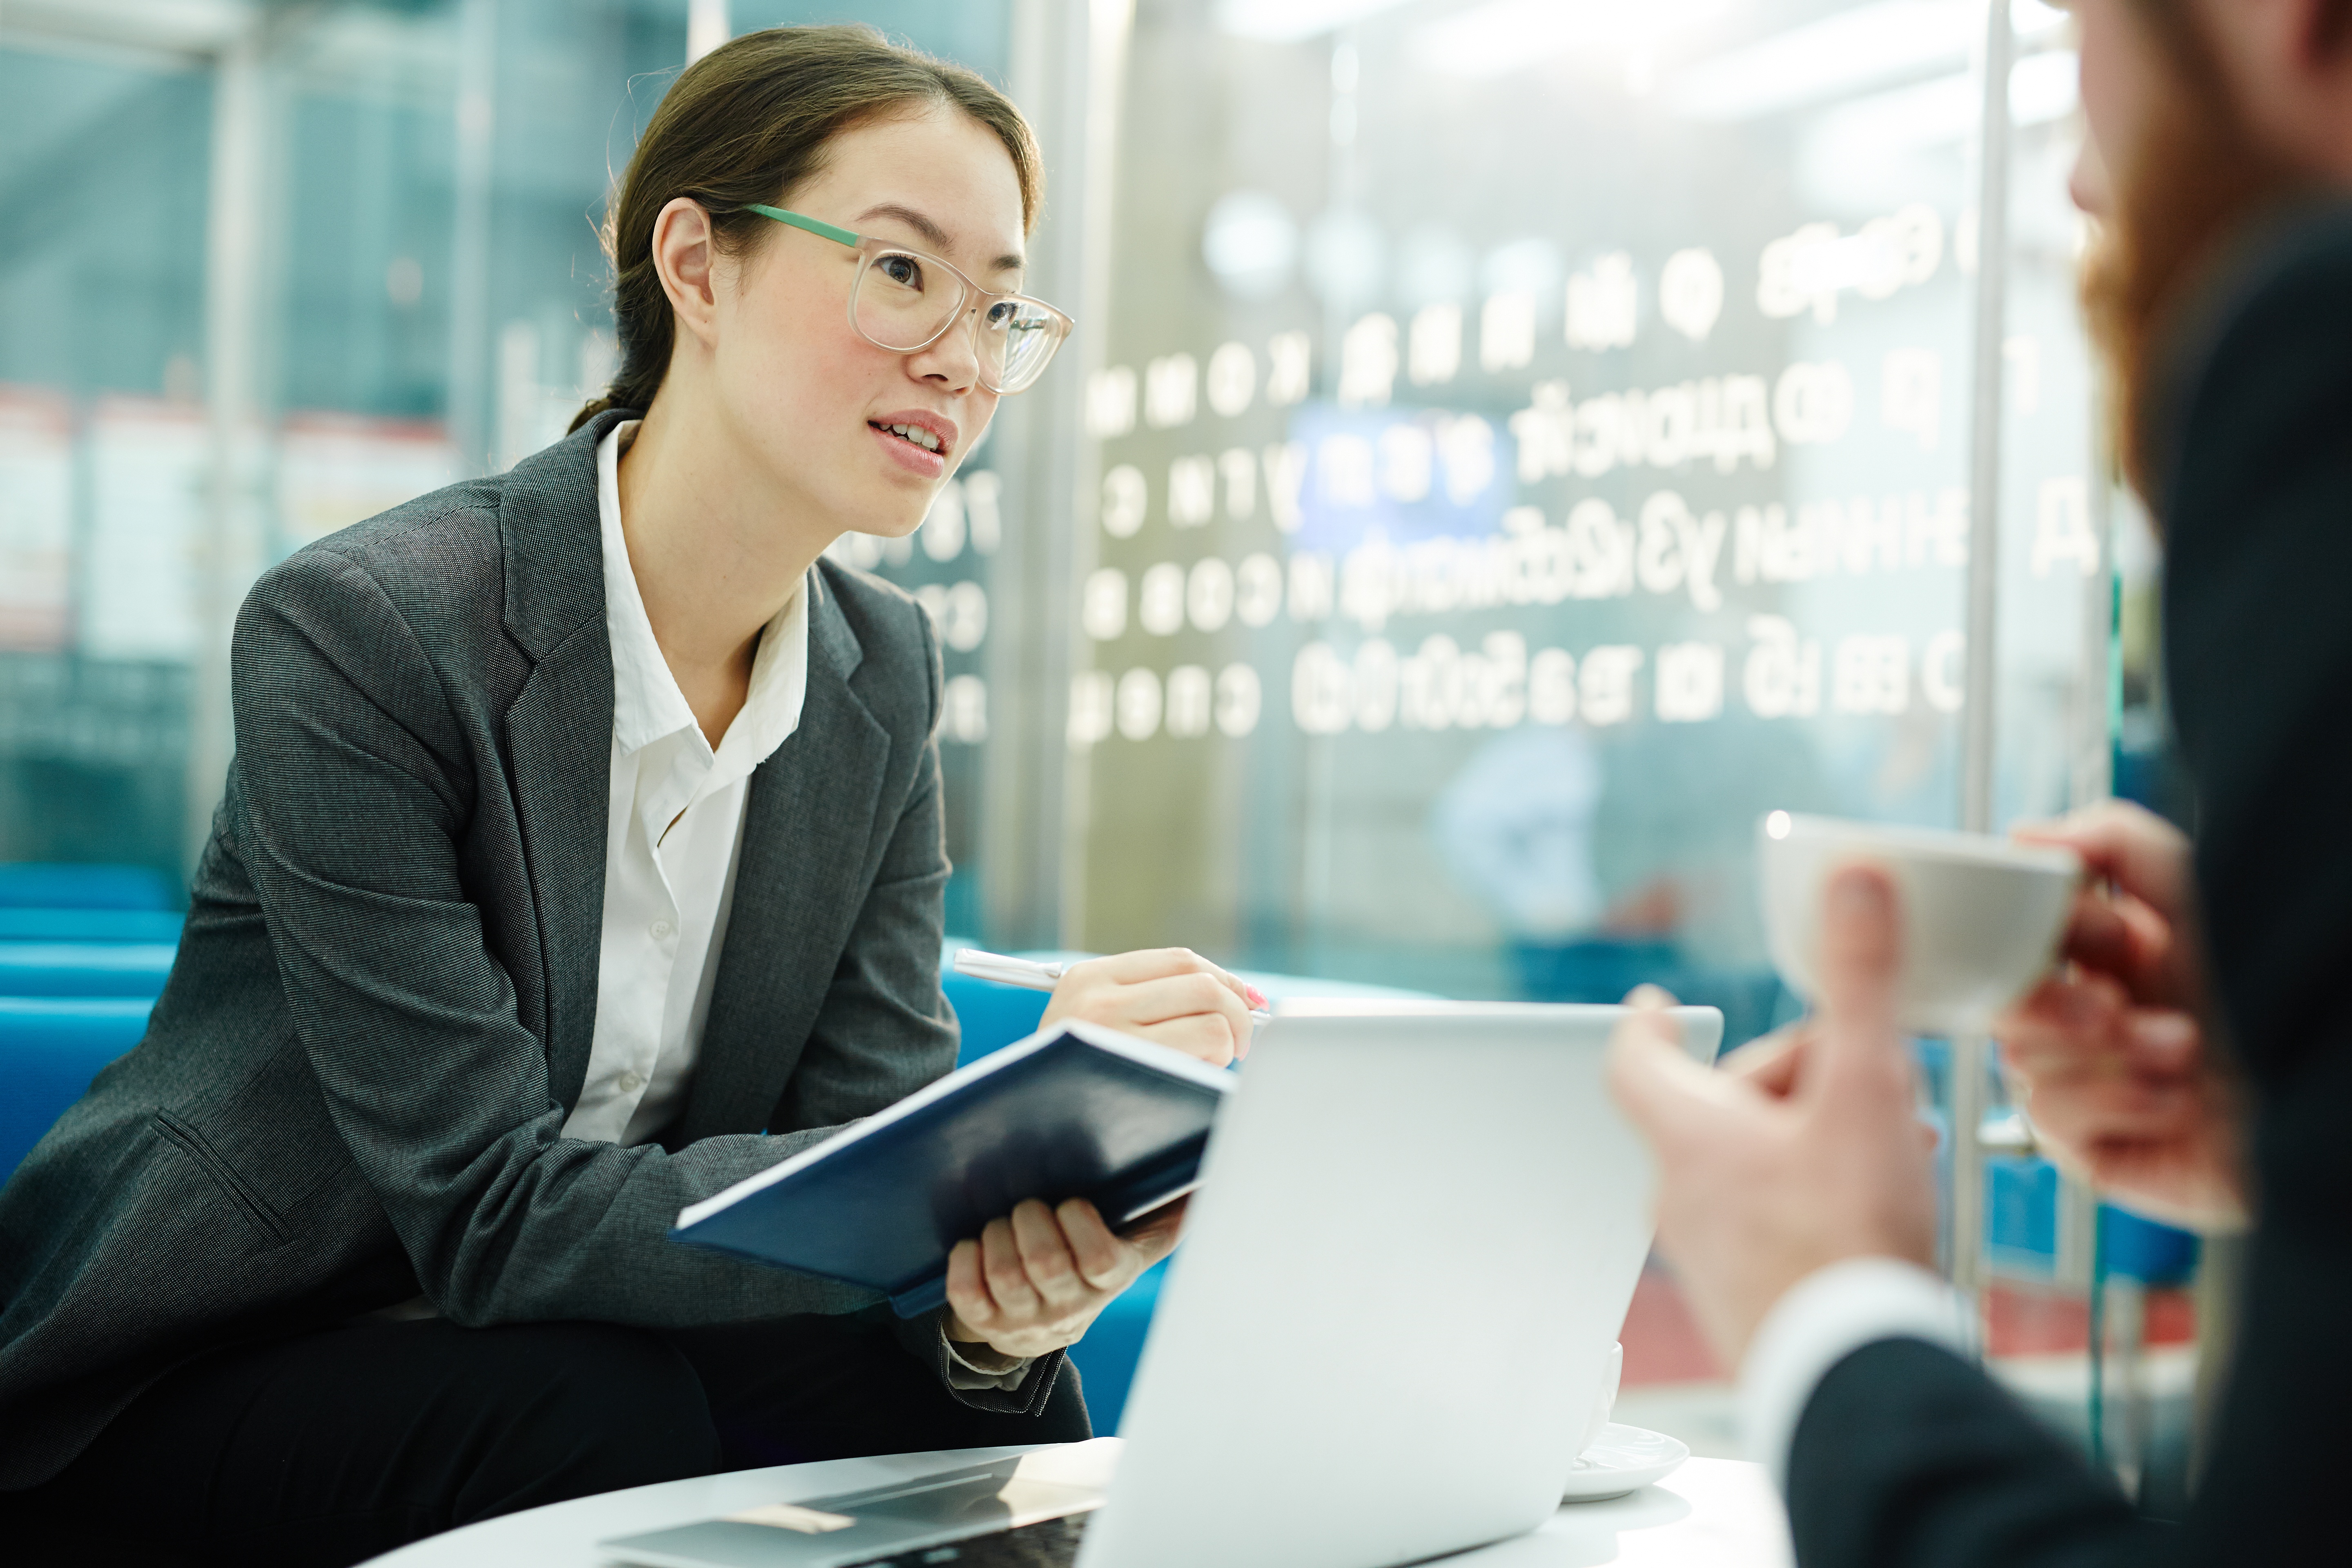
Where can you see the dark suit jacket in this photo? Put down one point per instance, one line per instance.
(351, 1088)
(1906, 1455)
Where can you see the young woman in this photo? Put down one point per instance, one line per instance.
(582, 857)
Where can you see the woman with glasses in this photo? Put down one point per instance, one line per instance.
(580, 858)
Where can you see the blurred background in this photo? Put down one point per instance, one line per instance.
(1509, 446)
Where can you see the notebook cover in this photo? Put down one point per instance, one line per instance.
(1074, 1112)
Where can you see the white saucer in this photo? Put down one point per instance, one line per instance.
(1621, 1458)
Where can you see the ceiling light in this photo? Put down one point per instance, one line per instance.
(1835, 57)
(1288, 21)
(1509, 35)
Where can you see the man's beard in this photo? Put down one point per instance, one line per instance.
(2196, 179)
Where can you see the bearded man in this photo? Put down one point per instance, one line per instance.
(2195, 1058)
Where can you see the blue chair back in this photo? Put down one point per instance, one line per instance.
(51, 884)
(84, 969)
(40, 923)
(51, 1047)
(993, 1016)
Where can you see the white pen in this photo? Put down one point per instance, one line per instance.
(1030, 976)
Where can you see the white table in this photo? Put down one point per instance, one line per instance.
(1711, 1513)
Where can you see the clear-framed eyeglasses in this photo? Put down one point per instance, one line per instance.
(905, 301)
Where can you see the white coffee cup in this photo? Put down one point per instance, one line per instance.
(1981, 916)
(1613, 1373)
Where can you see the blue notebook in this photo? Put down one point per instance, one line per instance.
(1076, 1111)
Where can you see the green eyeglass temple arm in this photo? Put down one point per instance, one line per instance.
(815, 225)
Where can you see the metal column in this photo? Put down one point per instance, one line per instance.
(1970, 1057)
(237, 259)
(1069, 61)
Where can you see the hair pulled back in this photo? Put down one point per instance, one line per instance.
(749, 122)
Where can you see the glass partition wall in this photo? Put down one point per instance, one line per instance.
(1535, 445)
(1510, 447)
(1529, 443)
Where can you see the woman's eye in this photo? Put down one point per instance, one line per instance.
(903, 270)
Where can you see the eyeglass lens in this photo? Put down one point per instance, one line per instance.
(903, 301)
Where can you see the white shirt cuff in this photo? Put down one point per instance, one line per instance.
(1822, 1319)
(965, 1372)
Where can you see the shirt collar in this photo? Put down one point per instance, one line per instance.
(647, 705)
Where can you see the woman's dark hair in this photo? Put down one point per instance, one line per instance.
(749, 122)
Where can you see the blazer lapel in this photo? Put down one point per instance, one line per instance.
(808, 829)
(563, 782)
(560, 727)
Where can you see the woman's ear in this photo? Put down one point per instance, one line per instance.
(683, 256)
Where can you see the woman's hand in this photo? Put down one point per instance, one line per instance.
(1168, 995)
(1036, 1280)
(2118, 1077)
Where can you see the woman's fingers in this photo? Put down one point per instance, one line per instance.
(1046, 1258)
(1164, 962)
(1171, 995)
(1008, 1277)
(1103, 1261)
(1156, 1235)
(1180, 997)
(1192, 1013)
(968, 1294)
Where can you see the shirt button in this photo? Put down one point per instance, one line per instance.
(661, 930)
(631, 1083)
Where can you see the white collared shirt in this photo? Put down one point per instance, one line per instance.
(674, 825)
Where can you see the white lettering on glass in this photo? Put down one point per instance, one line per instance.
(1232, 379)
(1102, 608)
(1110, 402)
(1368, 361)
(2061, 527)
(1433, 346)
(1689, 684)
(1290, 364)
(1124, 499)
(1170, 387)
(1603, 304)
(1137, 704)
(1690, 292)
(1160, 600)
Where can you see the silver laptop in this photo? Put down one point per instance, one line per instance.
(1418, 1230)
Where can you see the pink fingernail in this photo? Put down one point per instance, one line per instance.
(1256, 996)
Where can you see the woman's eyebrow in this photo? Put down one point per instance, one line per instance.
(933, 233)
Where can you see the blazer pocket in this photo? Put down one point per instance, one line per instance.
(190, 1140)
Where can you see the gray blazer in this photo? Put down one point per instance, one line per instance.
(351, 1089)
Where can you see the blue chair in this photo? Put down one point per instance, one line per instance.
(993, 1016)
(1107, 1357)
(50, 1049)
(54, 884)
(2022, 1229)
(36, 923)
(84, 969)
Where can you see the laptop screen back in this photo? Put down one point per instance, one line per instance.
(1419, 1229)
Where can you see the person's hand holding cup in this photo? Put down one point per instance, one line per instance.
(2111, 1055)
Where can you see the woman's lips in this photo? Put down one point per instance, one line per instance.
(915, 460)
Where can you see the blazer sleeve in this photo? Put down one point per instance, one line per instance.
(1909, 1455)
(353, 786)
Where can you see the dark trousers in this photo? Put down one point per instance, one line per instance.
(334, 1446)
